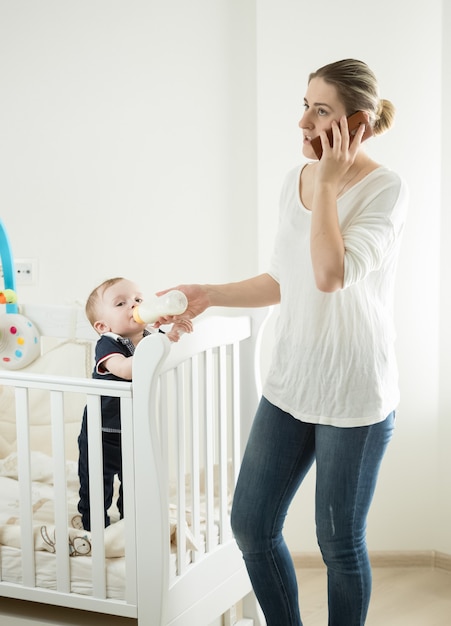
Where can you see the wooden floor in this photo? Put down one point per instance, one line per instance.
(402, 596)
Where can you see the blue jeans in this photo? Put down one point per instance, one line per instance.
(279, 453)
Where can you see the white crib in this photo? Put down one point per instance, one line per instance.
(172, 560)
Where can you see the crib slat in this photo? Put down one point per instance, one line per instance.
(236, 416)
(26, 502)
(209, 414)
(195, 453)
(222, 443)
(59, 481)
(180, 436)
(96, 496)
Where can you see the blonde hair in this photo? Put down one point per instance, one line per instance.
(357, 88)
(93, 301)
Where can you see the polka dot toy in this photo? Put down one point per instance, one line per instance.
(19, 341)
(19, 338)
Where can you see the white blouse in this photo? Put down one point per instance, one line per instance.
(334, 360)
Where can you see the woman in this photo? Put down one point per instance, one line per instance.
(332, 389)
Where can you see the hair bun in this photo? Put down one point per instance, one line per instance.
(385, 116)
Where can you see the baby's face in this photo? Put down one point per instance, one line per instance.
(115, 313)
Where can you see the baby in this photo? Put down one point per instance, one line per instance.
(109, 308)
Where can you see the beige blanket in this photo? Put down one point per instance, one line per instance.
(78, 541)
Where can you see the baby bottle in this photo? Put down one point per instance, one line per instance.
(171, 303)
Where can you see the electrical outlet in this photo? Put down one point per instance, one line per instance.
(25, 271)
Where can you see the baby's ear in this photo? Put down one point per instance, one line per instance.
(101, 327)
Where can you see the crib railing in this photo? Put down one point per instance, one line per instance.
(91, 390)
(183, 422)
(195, 419)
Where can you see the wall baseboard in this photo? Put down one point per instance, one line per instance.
(443, 561)
(408, 558)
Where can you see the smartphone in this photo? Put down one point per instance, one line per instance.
(354, 122)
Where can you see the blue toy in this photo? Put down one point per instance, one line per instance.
(19, 338)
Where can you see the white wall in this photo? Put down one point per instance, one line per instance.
(127, 145)
(151, 139)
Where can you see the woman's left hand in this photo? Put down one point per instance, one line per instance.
(337, 158)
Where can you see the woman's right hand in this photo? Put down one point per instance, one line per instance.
(198, 301)
(261, 290)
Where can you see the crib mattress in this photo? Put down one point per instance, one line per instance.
(80, 572)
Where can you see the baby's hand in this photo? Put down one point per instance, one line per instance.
(183, 325)
(178, 328)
